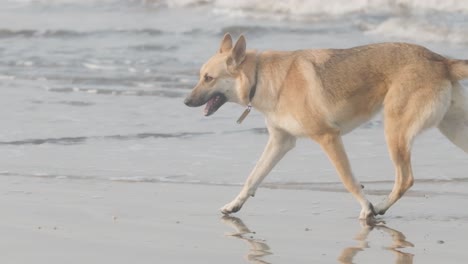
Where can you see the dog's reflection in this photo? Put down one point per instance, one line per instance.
(398, 239)
(257, 248)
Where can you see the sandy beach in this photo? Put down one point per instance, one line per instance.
(62, 221)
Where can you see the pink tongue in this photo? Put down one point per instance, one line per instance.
(209, 104)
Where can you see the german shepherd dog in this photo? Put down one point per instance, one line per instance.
(325, 93)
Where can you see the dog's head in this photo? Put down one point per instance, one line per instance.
(218, 77)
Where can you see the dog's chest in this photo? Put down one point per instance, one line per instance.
(288, 124)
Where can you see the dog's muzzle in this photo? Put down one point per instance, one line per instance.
(189, 102)
(213, 103)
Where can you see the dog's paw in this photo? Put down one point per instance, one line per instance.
(367, 217)
(367, 212)
(231, 207)
(371, 222)
(380, 209)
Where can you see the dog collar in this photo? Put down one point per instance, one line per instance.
(253, 89)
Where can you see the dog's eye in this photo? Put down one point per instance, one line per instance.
(208, 78)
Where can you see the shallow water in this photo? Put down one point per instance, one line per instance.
(94, 89)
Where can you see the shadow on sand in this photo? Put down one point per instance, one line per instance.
(258, 248)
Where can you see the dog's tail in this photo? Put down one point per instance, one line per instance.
(454, 124)
(458, 69)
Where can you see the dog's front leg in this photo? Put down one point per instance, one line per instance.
(278, 145)
(333, 146)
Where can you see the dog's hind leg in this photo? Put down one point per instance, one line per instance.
(454, 125)
(406, 115)
(279, 143)
(333, 146)
(399, 148)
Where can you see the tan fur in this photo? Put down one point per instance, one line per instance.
(324, 94)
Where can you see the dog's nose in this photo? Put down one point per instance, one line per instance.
(188, 101)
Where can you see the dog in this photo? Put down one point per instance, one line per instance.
(323, 94)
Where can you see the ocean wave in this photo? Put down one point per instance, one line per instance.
(49, 33)
(82, 139)
(396, 20)
(153, 47)
(318, 7)
(119, 137)
(289, 7)
(167, 93)
(259, 30)
(421, 30)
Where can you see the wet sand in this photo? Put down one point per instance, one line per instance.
(88, 221)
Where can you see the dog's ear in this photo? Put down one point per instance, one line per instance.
(226, 43)
(238, 52)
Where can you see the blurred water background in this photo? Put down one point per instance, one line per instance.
(93, 89)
